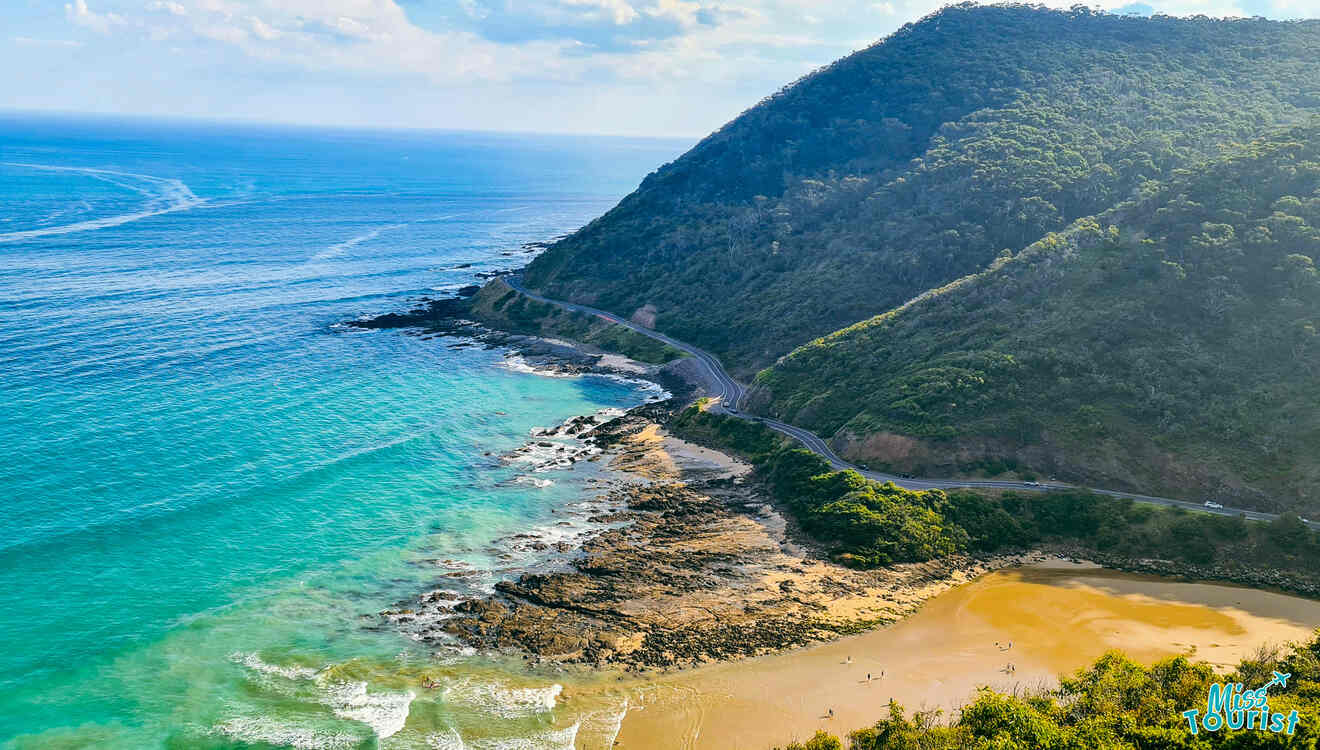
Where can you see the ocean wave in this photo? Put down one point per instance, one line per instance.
(385, 713)
(164, 196)
(605, 725)
(449, 739)
(504, 702)
(253, 729)
(517, 363)
(554, 739)
(655, 391)
(254, 662)
(342, 247)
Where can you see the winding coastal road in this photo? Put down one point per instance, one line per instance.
(728, 395)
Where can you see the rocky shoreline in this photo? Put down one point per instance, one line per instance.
(445, 318)
(691, 564)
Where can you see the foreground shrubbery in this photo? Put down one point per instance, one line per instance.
(866, 523)
(1116, 704)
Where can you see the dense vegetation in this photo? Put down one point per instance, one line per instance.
(499, 306)
(865, 523)
(750, 440)
(918, 160)
(1172, 343)
(1116, 704)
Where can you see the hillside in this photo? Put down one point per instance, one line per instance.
(918, 160)
(1170, 345)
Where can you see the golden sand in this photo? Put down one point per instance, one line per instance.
(1058, 617)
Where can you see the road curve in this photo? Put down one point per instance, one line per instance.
(729, 392)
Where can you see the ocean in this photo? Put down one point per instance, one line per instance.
(212, 487)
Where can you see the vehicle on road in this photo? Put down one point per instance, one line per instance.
(1211, 504)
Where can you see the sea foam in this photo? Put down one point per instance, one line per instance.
(266, 730)
(385, 713)
(505, 702)
(254, 662)
(555, 739)
(163, 195)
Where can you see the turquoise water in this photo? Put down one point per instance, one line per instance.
(211, 489)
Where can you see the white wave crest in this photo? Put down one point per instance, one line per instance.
(270, 731)
(517, 363)
(555, 739)
(164, 196)
(254, 662)
(605, 725)
(385, 713)
(342, 247)
(449, 739)
(505, 702)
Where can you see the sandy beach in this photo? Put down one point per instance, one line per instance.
(711, 624)
(1058, 616)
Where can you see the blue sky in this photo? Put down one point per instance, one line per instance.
(638, 67)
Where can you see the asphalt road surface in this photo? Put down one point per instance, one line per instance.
(728, 395)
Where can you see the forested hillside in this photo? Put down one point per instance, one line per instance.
(919, 160)
(1170, 344)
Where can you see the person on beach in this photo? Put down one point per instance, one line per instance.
(830, 714)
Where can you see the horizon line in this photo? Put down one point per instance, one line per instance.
(184, 119)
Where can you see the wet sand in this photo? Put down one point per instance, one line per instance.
(1058, 616)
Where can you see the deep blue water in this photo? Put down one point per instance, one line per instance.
(209, 488)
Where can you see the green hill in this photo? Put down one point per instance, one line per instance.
(918, 160)
(1171, 344)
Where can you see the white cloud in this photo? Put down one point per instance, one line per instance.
(565, 40)
(618, 11)
(614, 65)
(168, 6)
(78, 13)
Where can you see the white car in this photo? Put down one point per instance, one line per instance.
(1210, 504)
